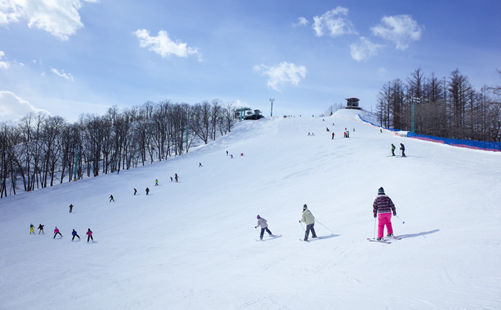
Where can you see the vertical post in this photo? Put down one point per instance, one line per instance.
(76, 168)
(271, 111)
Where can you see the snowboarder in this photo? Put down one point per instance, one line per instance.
(40, 229)
(89, 235)
(176, 177)
(71, 207)
(402, 148)
(382, 209)
(200, 165)
(309, 220)
(147, 191)
(392, 150)
(112, 199)
(156, 182)
(75, 234)
(135, 191)
(264, 226)
(57, 232)
(32, 229)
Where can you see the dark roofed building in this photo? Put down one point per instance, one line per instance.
(352, 103)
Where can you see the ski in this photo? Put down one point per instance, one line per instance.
(380, 241)
(270, 238)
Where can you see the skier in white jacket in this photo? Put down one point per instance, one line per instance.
(309, 220)
(264, 226)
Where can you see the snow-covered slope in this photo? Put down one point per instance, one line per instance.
(192, 245)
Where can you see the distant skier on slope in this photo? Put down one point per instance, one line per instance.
(57, 232)
(309, 220)
(156, 182)
(392, 150)
(382, 209)
(332, 135)
(147, 191)
(89, 235)
(40, 229)
(112, 199)
(71, 207)
(32, 229)
(74, 234)
(176, 177)
(264, 226)
(135, 191)
(402, 148)
(200, 165)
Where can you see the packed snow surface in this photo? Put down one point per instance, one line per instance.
(192, 244)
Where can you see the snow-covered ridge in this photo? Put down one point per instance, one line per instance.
(191, 245)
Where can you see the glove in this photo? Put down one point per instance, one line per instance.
(394, 213)
(375, 215)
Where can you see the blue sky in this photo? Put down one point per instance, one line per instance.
(79, 56)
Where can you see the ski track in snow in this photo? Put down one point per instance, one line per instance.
(190, 245)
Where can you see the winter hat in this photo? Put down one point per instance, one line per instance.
(258, 217)
(380, 191)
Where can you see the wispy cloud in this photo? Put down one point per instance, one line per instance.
(63, 74)
(12, 107)
(3, 64)
(399, 29)
(334, 22)
(282, 74)
(163, 45)
(364, 49)
(59, 18)
(301, 21)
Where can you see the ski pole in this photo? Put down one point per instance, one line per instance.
(374, 228)
(301, 224)
(398, 217)
(324, 226)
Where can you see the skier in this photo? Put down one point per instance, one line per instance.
(171, 179)
(392, 150)
(135, 191)
(347, 133)
(57, 232)
(111, 198)
(309, 134)
(382, 209)
(380, 130)
(74, 233)
(89, 235)
(32, 229)
(226, 152)
(40, 229)
(200, 165)
(309, 220)
(241, 154)
(156, 182)
(402, 148)
(332, 135)
(176, 177)
(327, 129)
(231, 156)
(264, 226)
(147, 191)
(71, 208)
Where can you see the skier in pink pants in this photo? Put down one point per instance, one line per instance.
(383, 207)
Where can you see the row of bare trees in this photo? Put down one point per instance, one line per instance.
(445, 107)
(42, 150)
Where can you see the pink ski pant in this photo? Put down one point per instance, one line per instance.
(384, 219)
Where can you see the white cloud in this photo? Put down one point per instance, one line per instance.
(301, 21)
(399, 29)
(3, 64)
(63, 74)
(334, 22)
(282, 74)
(59, 18)
(13, 107)
(364, 49)
(163, 45)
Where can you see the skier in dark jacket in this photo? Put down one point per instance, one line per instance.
(176, 177)
(74, 234)
(89, 235)
(112, 199)
(392, 150)
(40, 229)
(382, 208)
(402, 148)
(71, 208)
(135, 191)
(147, 191)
